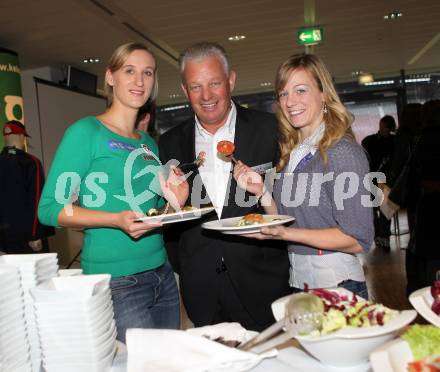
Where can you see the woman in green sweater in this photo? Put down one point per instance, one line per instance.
(113, 171)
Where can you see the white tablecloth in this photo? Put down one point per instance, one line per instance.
(288, 360)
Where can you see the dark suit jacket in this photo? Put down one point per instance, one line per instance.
(22, 179)
(259, 269)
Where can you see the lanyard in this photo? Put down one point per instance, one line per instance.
(303, 162)
(300, 166)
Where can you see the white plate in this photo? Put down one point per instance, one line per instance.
(422, 301)
(229, 225)
(177, 216)
(29, 261)
(70, 272)
(394, 356)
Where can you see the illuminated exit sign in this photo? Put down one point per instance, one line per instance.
(310, 36)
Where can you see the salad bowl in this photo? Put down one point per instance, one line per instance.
(348, 346)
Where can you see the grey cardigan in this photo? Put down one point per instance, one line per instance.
(301, 195)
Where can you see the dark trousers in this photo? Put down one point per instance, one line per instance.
(230, 307)
(381, 225)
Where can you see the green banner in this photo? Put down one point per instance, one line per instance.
(11, 100)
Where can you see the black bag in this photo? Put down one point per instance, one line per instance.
(399, 193)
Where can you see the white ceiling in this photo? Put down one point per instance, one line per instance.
(61, 32)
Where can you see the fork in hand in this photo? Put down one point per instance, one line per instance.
(185, 167)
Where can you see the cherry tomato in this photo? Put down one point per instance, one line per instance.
(225, 147)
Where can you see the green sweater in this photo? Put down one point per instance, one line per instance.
(101, 168)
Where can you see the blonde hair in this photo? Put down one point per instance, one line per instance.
(118, 59)
(337, 119)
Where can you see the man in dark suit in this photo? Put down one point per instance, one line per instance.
(222, 277)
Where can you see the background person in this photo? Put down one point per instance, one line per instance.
(380, 149)
(222, 278)
(145, 120)
(316, 139)
(423, 255)
(96, 149)
(409, 129)
(22, 178)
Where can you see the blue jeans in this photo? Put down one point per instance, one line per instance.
(146, 300)
(360, 288)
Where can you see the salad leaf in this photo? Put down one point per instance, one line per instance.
(424, 340)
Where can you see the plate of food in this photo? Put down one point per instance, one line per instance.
(248, 224)
(166, 216)
(417, 349)
(427, 302)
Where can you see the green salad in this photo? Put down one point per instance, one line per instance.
(424, 340)
(343, 311)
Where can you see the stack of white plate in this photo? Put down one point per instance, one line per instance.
(34, 269)
(69, 272)
(75, 323)
(14, 344)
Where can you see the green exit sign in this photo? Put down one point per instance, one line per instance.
(310, 36)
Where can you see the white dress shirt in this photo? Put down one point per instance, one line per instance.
(216, 169)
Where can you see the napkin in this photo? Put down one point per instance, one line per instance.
(180, 351)
(229, 332)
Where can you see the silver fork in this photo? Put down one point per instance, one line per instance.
(194, 164)
(303, 314)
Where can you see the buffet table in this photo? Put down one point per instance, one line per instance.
(289, 359)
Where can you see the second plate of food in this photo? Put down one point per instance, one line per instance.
(422, 301)
(251, 223)
(180, 216)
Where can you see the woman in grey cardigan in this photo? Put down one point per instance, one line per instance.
(323, 181)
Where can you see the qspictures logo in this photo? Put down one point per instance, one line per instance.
(339, 189)
(7, 67)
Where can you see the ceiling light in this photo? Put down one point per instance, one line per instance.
(365, 78)
(357, 72)
(417, 80)
(266, 84)
(393, 15)
(91, 60)
(236, 37)
(174, 95)
(383, 82)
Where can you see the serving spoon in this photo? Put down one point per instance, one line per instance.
(303, 315)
